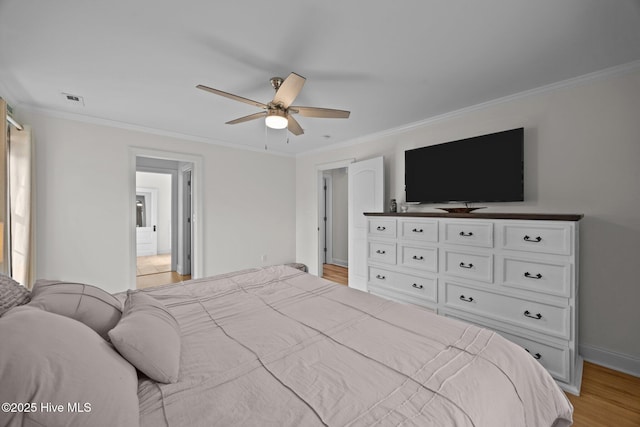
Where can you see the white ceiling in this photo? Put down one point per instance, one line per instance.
(137, 62)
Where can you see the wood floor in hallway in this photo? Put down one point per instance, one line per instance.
(155, 270)
(336, 273)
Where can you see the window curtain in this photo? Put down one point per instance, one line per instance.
(20, 206)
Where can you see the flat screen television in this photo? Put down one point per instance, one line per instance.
(487, 168)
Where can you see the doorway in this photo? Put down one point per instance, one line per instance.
(333, 236)
(365, 193)
(334, 233)
(165, 206)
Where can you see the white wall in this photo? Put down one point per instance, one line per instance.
(582, 155)
(82, 202)
(161, 182)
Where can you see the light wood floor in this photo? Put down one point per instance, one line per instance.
(608, 398)
(155, 270)
(335, 273)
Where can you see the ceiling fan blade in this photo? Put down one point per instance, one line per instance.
(232, 96)
(289, 90)
(293, 126)
(247, 118)
(327, 113)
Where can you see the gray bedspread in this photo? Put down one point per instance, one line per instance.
(279, 347)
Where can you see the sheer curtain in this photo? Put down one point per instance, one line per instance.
(16, 248)
(20, 200)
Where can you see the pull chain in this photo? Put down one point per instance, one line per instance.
(265, 137)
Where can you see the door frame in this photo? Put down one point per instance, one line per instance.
(197, 180)
(320, 169)
(184, 267)
(326, 210)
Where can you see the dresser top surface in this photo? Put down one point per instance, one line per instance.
(482, 215)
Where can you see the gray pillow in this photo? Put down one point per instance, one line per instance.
(48, 358)
(12, 294)
(88, 304)
(148, 336)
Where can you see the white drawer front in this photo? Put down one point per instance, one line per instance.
(382, 227)
(422, 287)
(538, 276)
(416, 257)
(421, 231)
(382, 252)
(550, 239)
(544, 318)
(468, 265)
(471, 234)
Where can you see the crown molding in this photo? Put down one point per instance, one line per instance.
(618, 70)
(129, 126)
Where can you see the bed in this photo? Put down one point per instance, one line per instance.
(279, 347)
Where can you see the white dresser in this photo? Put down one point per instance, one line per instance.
(514, 273)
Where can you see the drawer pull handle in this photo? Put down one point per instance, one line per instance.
(463, 265)
(417, 230)
(532, 276)
(381, 277)
(536, 356)
(529, 239)
(469, 234)
(417, 286)
(381, 252)
(381, 228)
(470, 299)
(418, 258)
(537, 316)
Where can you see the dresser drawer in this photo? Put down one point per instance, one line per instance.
(468, 265)
(382, 252)
(537, 276)
(467, 233)
(421, 287)
(536, 316)
(420, 231)
(549, 239)
(419, 257)
(382, 228)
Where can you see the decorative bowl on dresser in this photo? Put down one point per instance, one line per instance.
(514, 273)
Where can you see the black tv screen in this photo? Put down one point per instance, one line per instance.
(487, 168)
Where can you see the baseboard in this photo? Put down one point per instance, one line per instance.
(610, 359)
(340, 262)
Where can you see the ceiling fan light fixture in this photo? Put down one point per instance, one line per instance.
(276, 119)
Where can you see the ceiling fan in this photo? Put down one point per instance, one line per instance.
(278, 112)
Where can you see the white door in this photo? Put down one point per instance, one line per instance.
(146, 220)
(366, 194)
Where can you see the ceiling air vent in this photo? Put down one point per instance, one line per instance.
(76, 100)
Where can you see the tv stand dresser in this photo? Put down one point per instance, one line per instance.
(514, 273)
